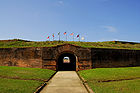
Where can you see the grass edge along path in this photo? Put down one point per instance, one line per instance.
(106, 80)
(22, 80)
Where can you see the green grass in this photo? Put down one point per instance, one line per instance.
(127, 80)
(22, 80)
(110, 44)
(18, 86)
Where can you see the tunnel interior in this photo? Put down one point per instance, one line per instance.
(66, 62)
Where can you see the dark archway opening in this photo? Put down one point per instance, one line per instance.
(66, 62)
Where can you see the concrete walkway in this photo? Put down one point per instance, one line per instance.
(65, 82)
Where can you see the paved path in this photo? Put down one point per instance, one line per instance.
(65, 82)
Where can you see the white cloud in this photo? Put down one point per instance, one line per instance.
(60, 2)
(110, 28)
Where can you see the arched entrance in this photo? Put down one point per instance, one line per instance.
(66, 62)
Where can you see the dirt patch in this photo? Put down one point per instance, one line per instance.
(118, 80)
(22, 78)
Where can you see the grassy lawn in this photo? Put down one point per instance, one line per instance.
(18, 86)
(110, 44)
(22, 80)
(113, 80)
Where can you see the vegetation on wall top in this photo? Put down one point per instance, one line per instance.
(18, 43)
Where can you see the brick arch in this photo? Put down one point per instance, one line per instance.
(71, 52)
(68, 52)
(50, 56)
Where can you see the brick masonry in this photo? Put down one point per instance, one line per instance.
(115, 57)
(86, 58)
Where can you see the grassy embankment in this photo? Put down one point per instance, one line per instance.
(113, 80)
(110, 44)
(22, 80)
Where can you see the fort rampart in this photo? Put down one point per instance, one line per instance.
(86, 58)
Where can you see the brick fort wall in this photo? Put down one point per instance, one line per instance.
(86, 58)
(115, 57)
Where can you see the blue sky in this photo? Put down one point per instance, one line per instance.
(96, 20)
